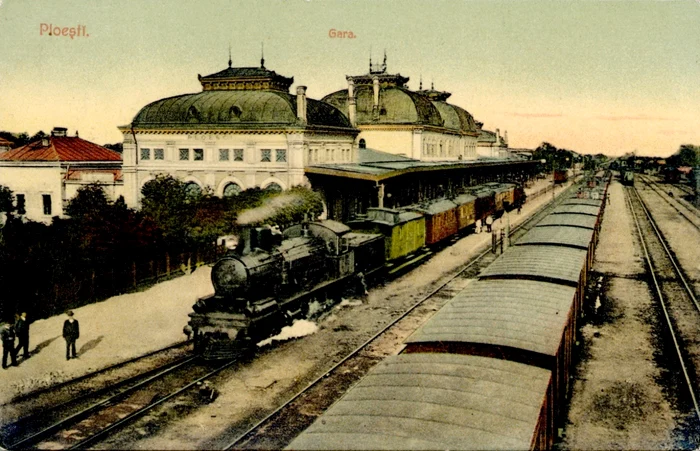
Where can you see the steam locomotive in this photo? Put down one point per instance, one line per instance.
(273, 278)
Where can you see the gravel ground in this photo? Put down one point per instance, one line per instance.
(623, 396)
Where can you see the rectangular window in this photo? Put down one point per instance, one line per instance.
(145, 154)
(158, 154)
(281, 156)
(184, 154)
(198, 154)
(46, 198)
(20, 204)
(224, 154)
(265, 156)
(311, 155)
(237, 154)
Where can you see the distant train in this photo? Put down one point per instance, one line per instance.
(627, 177)
(274, 278)
(491, 369)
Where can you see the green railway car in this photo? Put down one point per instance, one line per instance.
(404, 231)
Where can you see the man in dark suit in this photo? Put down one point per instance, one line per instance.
(71, 332)
(8, 344)
(22, 331)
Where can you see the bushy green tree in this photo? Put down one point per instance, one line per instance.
(7, 200)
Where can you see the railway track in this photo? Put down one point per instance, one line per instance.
(90, 419)
(279, 427)
(677, 299)
(690, 213)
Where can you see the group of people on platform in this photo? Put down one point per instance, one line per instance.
(19, 331)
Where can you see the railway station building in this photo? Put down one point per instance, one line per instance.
(243, 130)
(420, 125)
(380, 179)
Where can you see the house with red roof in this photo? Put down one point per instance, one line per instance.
(5, 145)
(45, 174)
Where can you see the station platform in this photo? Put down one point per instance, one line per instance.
(130, 325)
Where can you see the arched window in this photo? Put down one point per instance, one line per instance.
(193, 189)
(232, 189)
(363, 144)
(273, 187)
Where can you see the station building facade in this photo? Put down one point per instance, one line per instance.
(243, 130)
(45, 174)
(416, 124)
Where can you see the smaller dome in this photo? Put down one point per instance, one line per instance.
(397, 105)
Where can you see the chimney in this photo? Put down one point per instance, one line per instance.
(375, 106)
(59, 131)
(505, 137)
(76, 134)
(498, 136)
(301, 103)
(352, 103)
(45, 142)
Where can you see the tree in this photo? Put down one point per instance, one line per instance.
(7, 200)
(167, 203)
(117, 147)
(687, 155)
(89, 201)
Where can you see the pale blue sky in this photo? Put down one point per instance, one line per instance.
(592, 76)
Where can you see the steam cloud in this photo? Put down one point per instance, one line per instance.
(299, 329)
(269, 208)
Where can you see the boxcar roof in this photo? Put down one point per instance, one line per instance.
(579, 209)
(583, 201)
(577, 237)
(521, 314)
(358, 238)
(561, 264)
(436, 207)
(464, 199)
(569, 219)
(435, 401)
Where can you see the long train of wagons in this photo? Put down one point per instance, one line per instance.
(271, 279)
(491, 369)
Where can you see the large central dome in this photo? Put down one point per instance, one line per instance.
(239, 98)
(235, 109)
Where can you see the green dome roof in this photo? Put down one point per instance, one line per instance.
(455, 118)
(397, 105)
(235, 109)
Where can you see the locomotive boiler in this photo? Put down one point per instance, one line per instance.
(269, 280)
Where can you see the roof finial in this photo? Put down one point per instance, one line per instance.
(384, 63)
(370, 58)
(420, 86)
(432, 85)
(262, 55)
(229, 55)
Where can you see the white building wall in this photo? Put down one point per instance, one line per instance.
(288, 154)
(34, 182)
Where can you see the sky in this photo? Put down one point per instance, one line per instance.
(591, 76)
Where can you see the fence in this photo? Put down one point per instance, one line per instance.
(120, 277)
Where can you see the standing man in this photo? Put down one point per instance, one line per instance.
(71, 332)
(22, 331)
(8, 344)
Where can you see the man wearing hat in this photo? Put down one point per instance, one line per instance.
(8, 344)
(71, 332)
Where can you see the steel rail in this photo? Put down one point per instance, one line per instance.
(138, 413)
(660, 295)
(661, 237)
(85, 376)
(668, 199)
(71, 419)
(357, 350)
